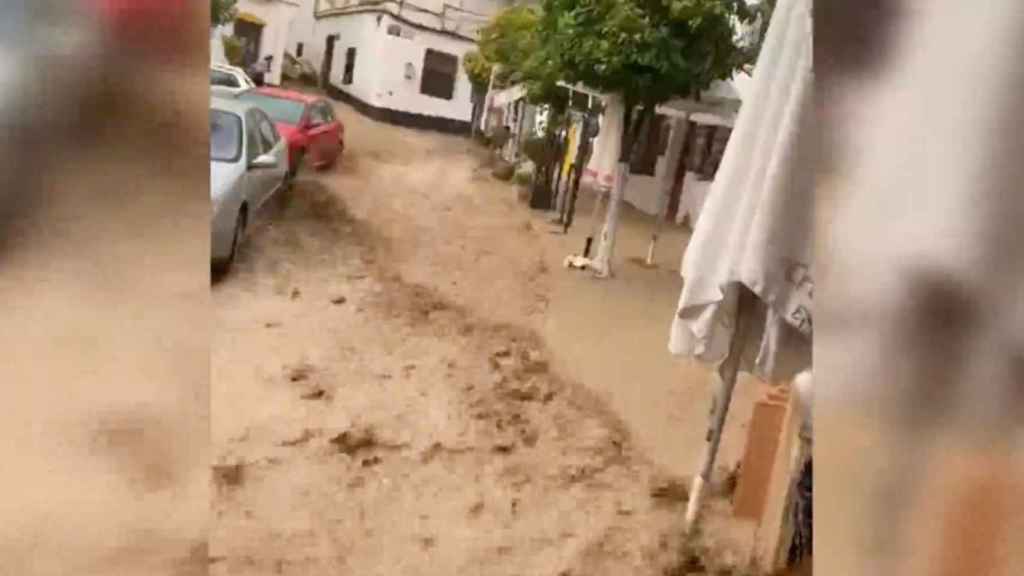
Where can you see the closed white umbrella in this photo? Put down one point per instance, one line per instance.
(746, 303)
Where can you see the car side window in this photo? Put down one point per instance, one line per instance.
(253, 146)
(316, 115)
(268, 134)
(327, 112)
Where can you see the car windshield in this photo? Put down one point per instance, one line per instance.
(279, 109)
(221, 78)
(225, 136)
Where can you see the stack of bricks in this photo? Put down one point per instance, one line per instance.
(764, 437)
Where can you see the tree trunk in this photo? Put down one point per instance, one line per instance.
(630, 130)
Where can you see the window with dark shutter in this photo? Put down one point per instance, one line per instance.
(438, 76)
(350, 66)
(298, 50)
(648, 147)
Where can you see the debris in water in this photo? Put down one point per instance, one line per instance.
(296, 293)
(352, 441)
(317, 393)
(670, 490)
(299, 373)
(339, 300)
(504, 447)
(530, 437)
(229, 475)
(303, 438)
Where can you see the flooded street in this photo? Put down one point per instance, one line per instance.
(386, 398)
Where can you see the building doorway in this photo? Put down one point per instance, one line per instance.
(252, 34)
(325, 68)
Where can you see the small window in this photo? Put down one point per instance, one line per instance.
(327, 111)
(438, 76)
(318, 115)
(350, 66)
(394, 30)
(252, 138)
(298, 50)
(268, 134)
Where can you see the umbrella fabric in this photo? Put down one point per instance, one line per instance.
(756, 224)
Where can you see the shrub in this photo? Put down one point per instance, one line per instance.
(540, 150)
(234, 49)
(522, 178)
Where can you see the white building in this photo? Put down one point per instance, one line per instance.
(395, 60)
(703, 129)
(266, 25)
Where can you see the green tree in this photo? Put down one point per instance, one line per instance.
(478, 69)
(644, 51)
(513, 44)
(222, 12)
(509, 41)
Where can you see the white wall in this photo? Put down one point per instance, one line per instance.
(357, 31)
(642, 192)
(278, 15)
(396, 92)
(216, 47)
(303, 29)
(379, 78)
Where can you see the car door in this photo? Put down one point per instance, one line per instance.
(272, 144)
(337, 134)
(319, 134)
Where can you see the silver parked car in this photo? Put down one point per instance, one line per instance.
(248, 165)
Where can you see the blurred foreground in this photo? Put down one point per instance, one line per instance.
(104, 222)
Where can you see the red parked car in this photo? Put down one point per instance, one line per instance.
(307, 122)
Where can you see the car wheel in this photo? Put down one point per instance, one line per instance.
(294, 170)
(223, 266)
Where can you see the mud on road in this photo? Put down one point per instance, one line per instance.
(383, 402)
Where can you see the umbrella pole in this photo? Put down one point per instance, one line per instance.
(725, 382)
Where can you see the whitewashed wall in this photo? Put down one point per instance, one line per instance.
(357, 31)
(278, 15)
(642, 193)
(379, 78)
(303, 29)
(396, 92)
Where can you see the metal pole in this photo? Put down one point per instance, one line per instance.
(675, 148)
(725, 382)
